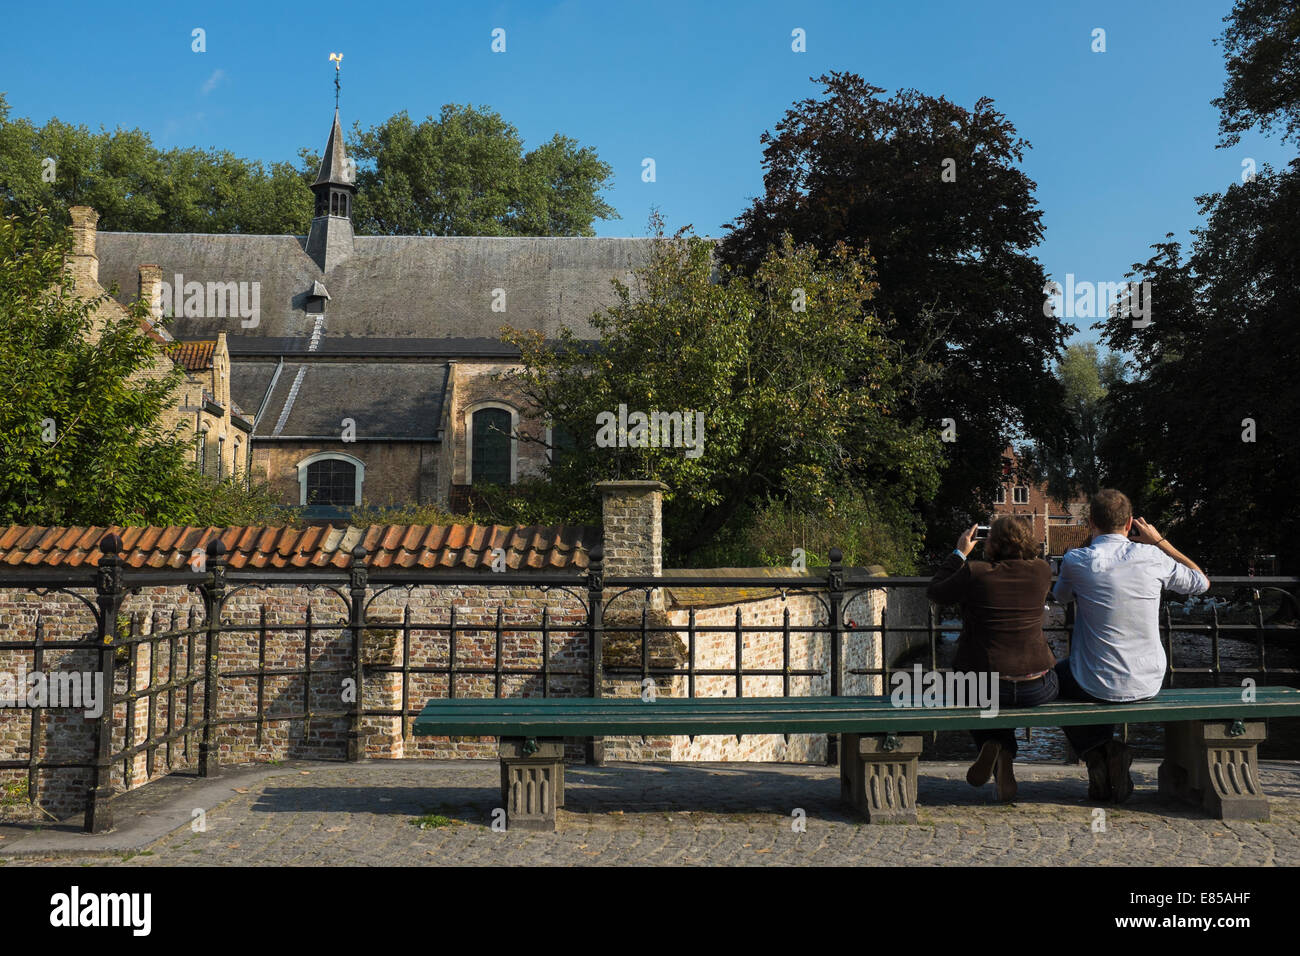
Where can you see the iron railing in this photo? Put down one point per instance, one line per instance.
(179, 704)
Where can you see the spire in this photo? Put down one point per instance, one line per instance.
(334, 167)
(330, 239)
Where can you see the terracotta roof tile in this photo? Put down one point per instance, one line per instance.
(193, 356)
(449, 547)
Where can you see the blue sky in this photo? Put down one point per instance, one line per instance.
(1122, 140)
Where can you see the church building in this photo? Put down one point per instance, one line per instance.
(367, 368)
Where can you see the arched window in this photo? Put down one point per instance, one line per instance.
(492, 446)
(329, 478)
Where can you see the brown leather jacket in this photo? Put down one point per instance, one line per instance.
(1002, 613)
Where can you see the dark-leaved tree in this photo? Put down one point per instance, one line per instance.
(1262, 46)
(934, 193)
(1204, 434)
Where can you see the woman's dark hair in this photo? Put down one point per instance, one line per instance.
(1010, 537)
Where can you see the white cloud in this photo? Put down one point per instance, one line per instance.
(211, 82)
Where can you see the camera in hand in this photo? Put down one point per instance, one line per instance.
(981, 532)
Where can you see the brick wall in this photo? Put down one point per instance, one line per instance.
(264, 632)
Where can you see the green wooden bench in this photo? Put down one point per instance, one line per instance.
(1211, 739)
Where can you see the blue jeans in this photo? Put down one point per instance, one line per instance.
(1082, 737)
(1012, 694)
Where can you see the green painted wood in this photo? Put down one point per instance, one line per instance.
(610, 716)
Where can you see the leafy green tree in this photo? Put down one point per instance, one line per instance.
(934, 193)
(466, 174)
(798, 382)
(1086, 377)
(1262, 46)
(136, 187)
(79, 417)
(82, 440)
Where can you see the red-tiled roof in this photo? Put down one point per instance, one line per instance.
(193, 356)
(445, 547)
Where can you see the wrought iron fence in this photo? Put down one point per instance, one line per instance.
(177, 698)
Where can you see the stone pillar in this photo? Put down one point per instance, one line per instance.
(633, 529)
(83, 261)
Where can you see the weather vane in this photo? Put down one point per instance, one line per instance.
(337, 60)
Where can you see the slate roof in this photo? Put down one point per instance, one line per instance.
(310, 399)
(420, 287)
(391, 547)
(380, 347)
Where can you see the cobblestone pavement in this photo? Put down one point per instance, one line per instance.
(672, 814)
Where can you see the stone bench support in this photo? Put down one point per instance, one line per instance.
(1214, 765)
(878, 775)
(532, 781)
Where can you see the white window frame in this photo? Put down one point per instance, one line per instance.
(321, 456)
(1015, 495)
(1002, 495)
(469, 438)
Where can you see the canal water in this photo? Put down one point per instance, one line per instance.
(1190, 649)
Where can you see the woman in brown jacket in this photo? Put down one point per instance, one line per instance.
(1002, 600)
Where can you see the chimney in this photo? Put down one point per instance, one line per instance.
(151, 289)
(221, 371)
(633, 529)
(84, 261)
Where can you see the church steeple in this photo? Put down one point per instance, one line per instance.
(330, 239)
(333, 186)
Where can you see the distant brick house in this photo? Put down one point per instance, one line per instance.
(1017, 496)
(204, 413)
(369, 368)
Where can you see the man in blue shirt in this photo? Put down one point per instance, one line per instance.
(1115, 651)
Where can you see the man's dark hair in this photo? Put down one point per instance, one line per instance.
(1110, 510)
(1011, 537)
